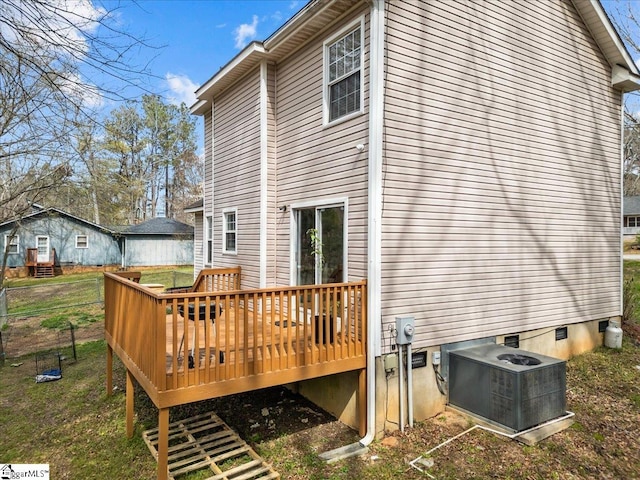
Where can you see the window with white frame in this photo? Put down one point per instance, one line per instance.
(343, 74)
(82, 241)
(632, 221)
(12, 244)
(209, 241)
(229, 231)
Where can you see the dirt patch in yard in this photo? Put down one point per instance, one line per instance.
(27, 336)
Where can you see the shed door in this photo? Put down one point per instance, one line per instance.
(42, 244)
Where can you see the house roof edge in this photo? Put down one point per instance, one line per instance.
(256, 52)
(606, 36)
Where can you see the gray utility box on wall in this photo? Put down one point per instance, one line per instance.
(508, 386)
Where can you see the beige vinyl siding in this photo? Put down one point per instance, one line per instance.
(207, 201)
(237, 175)
(317, 162)
(501, 200)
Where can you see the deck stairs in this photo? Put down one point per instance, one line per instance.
(44, 271)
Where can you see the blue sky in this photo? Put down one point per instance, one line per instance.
(199, 36)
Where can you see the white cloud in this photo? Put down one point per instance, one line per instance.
(246, 32)
(221, 25)
(182, 89)
(80, 91)
(293, 5)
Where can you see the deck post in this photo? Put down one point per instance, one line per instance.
(163, 444)
(109, 370)
(129, 403)
(362, 402)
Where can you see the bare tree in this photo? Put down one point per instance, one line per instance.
(625, 15)
(59, 59)
(631, 183)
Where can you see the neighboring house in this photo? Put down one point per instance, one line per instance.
(76, 242)
(52, 237)
(631, 216)
(158, 241)
(463, 157)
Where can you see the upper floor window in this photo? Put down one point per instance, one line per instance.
(12, 244)
(82, 241)
(343, 74)
(229, 231)
(632, 222)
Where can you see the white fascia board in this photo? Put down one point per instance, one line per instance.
(194, 210)
(291, 26)
(198, 108)
(253, 51)
(605, 34)
(615, 38)
(624, 80)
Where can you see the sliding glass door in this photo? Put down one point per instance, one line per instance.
(320, 244)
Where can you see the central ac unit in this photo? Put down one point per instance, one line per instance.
(508, 386)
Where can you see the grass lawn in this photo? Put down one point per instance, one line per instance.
(77, 429)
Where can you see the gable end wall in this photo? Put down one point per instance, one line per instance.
(501, 173)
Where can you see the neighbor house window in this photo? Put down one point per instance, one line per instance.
(343, 74)
(229, 231)
(633, 222)
(12, 244)
(209, 243)
(82, 241)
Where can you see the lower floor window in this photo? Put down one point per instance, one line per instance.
(12, 244)
(82, 241)
(229, 231)
(209, 251)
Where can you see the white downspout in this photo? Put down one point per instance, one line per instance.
(621, 266)
(410, 385)
(401, 387)
(376, 113)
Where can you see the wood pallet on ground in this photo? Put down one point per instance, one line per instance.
(205, 441)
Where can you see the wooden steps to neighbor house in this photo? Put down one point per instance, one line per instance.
(44, 271)
(205, 441)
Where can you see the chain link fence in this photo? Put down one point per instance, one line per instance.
(46, 315)
(3, 321)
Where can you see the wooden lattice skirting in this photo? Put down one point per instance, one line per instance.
(205, 441)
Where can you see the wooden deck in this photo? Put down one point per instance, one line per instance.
(235, 341)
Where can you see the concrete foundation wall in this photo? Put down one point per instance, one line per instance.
(337, 394)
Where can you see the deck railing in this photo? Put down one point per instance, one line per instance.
(188, 346)
(217, 280)
(31, 259)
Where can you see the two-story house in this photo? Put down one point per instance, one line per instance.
(462, 157)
